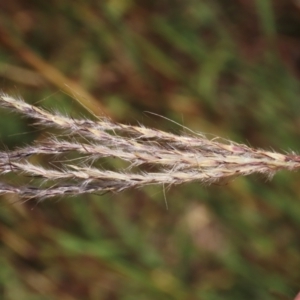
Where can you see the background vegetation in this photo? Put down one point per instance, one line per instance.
(229, 68)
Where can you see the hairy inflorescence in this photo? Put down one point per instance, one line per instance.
(176, 159)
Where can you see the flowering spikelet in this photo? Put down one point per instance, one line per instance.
(177, 158)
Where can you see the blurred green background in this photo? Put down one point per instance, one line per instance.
(227, 68)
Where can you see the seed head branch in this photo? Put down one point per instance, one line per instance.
(177, 158)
